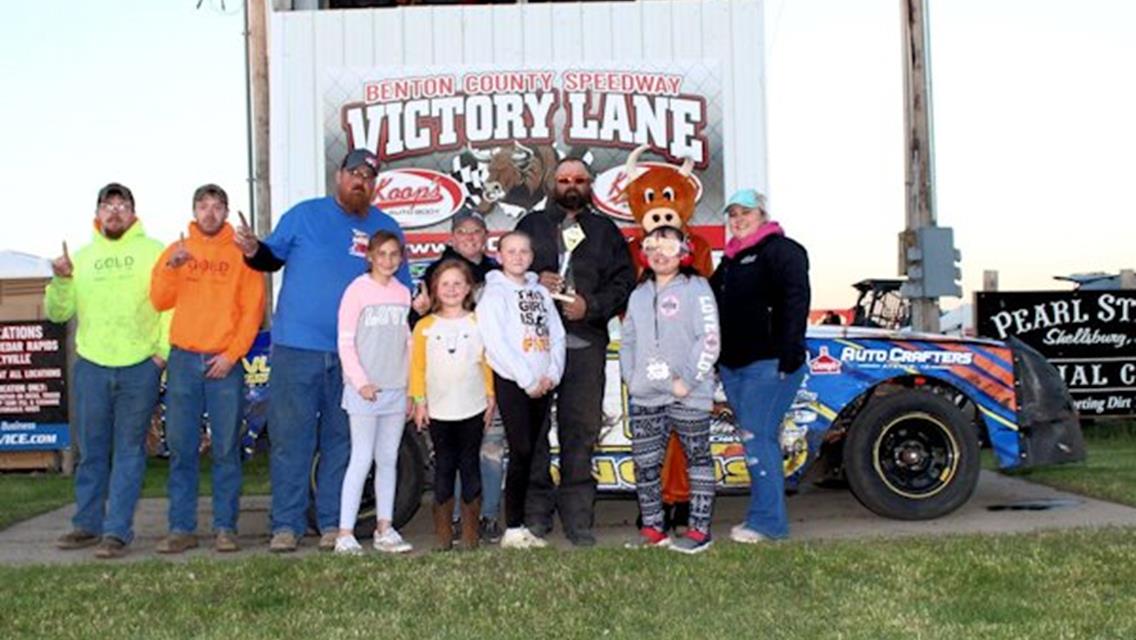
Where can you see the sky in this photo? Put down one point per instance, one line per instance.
(1034, 117)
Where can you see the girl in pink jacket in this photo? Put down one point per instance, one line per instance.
(373, 346)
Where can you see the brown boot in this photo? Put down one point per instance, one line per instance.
(471, 511)
(442, 515)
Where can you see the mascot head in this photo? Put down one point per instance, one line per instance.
(659, 195)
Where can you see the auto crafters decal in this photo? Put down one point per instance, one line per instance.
(899, 357)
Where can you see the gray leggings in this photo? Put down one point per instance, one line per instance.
(372, 438)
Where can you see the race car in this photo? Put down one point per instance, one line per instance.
(900, 416)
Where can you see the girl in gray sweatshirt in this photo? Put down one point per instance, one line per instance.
(669, 344)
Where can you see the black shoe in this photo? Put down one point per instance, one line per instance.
(539, 529)
(680, 516)
(584, 538)
(489, 530)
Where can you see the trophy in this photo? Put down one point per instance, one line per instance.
(572, 237)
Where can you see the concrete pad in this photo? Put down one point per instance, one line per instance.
(815, 514)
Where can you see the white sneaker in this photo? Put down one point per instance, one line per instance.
(390, 542)
(745, 535)
(348, 545)
(521, 538)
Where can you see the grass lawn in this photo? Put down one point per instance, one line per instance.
(23, 495)
(1068, 584)
(1108, 472)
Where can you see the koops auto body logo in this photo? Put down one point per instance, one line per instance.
(610, 183)
(418, 197)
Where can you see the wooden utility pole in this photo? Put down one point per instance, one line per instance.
(919, 155)
(256, 66)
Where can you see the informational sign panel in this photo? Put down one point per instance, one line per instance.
(1090, 336)
(33, 386)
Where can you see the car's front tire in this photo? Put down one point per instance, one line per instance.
(912, 455)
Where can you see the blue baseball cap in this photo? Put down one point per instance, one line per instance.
(748, 198)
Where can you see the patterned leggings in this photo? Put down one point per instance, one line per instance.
(650, 428)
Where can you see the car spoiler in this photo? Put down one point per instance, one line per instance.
(1049, 426)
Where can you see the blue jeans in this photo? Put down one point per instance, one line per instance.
(189, 394)
(304, 416)
(113, 407)
(760, 397)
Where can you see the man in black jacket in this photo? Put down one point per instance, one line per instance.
(581, 255)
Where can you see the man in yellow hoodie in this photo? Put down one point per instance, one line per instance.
(122, 349)
(218, 305)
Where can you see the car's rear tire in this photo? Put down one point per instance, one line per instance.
(912, 455)
(408, 490)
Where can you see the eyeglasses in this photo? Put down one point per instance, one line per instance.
(362, 174)
(668, 247)
(114, 208)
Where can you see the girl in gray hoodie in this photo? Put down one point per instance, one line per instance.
(669, 344)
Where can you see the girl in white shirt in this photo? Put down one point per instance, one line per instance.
(452, 389)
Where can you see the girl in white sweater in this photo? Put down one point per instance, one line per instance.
(524, 344)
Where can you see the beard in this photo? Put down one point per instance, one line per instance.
(356, 201)
(116, 233)
(573, 199)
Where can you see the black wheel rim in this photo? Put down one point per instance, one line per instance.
(916, 456)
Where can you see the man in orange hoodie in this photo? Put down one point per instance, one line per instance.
(218, 305)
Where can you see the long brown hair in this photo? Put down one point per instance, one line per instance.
(444, 266)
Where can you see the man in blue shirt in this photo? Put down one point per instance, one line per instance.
(322, 245)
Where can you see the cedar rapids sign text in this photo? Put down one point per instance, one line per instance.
(1090, 336)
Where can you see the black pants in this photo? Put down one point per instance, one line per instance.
(457, 447)
(579, 416)
(526, 424)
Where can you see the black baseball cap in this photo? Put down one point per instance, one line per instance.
(358, 158)
(465, 213)
(115, 189)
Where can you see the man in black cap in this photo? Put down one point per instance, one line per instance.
(322, 243)
(468, 242)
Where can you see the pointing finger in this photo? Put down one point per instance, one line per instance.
(244, 221)
(65, 250)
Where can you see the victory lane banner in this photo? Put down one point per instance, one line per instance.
(33, 386)
(489, 138)
(1090, 336)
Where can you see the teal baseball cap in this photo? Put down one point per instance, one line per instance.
(748, 198)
